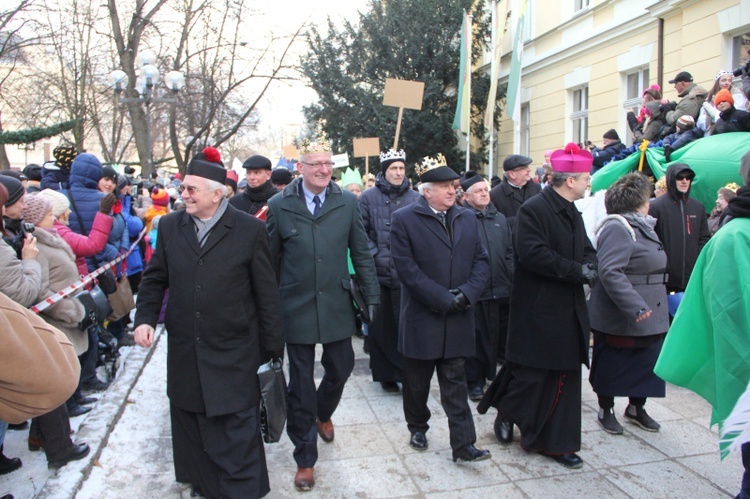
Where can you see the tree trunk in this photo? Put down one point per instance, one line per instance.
(4, 163)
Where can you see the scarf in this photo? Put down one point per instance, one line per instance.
(260, 196)
(117, 208)
(204, 227)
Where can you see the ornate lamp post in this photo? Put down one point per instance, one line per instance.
(148, 78)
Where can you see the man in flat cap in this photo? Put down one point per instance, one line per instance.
(516, 187)
(692, 97)
(313, 224)
(224, 319)
(254, 200)
(539, 387)
(491, 311)
(443, 268)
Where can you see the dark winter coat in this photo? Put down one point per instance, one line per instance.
(376, 207)
(495, 233)
(508, 199)
(605, 155)
(549, 321)
(53, 177)
(677, 140)
(732, 120)
(134, 226)
(682, 227)
(252, 199)
(223, 307)
(311, 257)
(652, 126)
(632, 263)
(429, 264)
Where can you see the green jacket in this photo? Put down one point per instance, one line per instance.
(310, 255)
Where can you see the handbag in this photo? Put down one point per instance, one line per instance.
(121, 300)
(272, 400)
(96, 305)
(358, 299)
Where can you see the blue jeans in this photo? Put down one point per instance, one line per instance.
(3, 428)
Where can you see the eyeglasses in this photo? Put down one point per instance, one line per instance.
(191, 189)
(685, 177)
(319, 164)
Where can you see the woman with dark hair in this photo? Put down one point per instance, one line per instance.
(628, 305)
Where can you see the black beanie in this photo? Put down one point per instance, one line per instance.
(611, 135)
(14, 187)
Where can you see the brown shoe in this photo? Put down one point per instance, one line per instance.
(304, 479)
(325, 430)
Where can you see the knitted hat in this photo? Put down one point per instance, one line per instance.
(351, 176)
(516, 161)
(207, 164)
(686, 122)
(470, 178)
(652, 91)
(110, 173)
(36, 208)
(15, 174)
(160, 197)
(723, 95)
(232, 179)
(571, 160)
(281, 175)
(57, 200)
(14, 187)
(257, 162)
(33, 172)
(391, 156)
(64, 156)
(721, 73)
(611, 135)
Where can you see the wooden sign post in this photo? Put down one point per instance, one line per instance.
(402, 94)
(291, 152)
(366, 148)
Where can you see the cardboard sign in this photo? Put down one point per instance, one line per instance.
(340, 160)
(291, 152)
(366, 147)
(403, 93)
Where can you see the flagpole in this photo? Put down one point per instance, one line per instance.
(468, 91)
(490, 105)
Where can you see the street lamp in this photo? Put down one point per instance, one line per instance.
(148, 78)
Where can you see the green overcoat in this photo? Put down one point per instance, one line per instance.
(310, 255)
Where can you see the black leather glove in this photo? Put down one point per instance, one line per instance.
(667, 152)
(460, 303)
(589, 274)
(107, 202)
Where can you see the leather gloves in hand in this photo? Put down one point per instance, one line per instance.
(460, 302)
(107, 202)
(667, 153)
(589, 274)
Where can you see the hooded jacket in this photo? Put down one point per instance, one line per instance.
(652, 126)
(682, 226)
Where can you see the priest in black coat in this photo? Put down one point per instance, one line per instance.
(223, 314)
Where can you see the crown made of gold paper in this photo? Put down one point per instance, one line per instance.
(429, 163)
(732, 186)
(320, 144)
(392, 154)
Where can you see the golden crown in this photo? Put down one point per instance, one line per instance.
(429, 163)
(320, 144)
(732, 186)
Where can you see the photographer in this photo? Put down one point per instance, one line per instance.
(15, 230)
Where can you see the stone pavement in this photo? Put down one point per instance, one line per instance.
(370, 456)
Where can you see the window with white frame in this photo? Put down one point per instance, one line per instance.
(740, 47)
(581, 4)
(528, 22)
(580, 116)
(635, 83)
(525, 138)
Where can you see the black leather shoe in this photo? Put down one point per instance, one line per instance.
(570, 460)
(476, 394)
(19, 426)
(470, 453)
(76, 453)
(77, 410)
(8, 464)
(503, 430)
(95, 386)
(196, 491)
(85, 400)
(389, 386)
(418, 441)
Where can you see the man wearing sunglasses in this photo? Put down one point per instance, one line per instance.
(681, 224)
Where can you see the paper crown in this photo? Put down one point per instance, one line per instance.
(320, 144)
(351, 176)
(393, 155)
(571, 160)
(429, 163)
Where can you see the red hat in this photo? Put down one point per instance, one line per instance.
(160, 197)
(571, 160)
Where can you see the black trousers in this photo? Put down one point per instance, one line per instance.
(385, 359)
(223, 455)
(306, 404)
(491, 334)
(454, 397)
(54, 429)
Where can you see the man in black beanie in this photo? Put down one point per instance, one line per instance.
(215, 350)
(610, 148)
(254, 200)
(516, 187)
(13, 213)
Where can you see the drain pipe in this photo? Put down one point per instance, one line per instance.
(660, 54)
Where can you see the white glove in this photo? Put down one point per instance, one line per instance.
(711, 110)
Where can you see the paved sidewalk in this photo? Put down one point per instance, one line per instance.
(371, 456)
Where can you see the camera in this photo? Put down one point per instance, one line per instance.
(742, 69)
(27, 228)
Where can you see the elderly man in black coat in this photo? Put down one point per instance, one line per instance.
(516, 187)
(539, 387)
(223, 313)
(443, 269)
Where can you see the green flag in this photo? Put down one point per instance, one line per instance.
(463, 106)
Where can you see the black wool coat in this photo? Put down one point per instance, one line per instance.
(508, 199)
(223, 307)
(549, 322)
(429, 264)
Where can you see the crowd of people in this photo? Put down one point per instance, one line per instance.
(496, 286)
